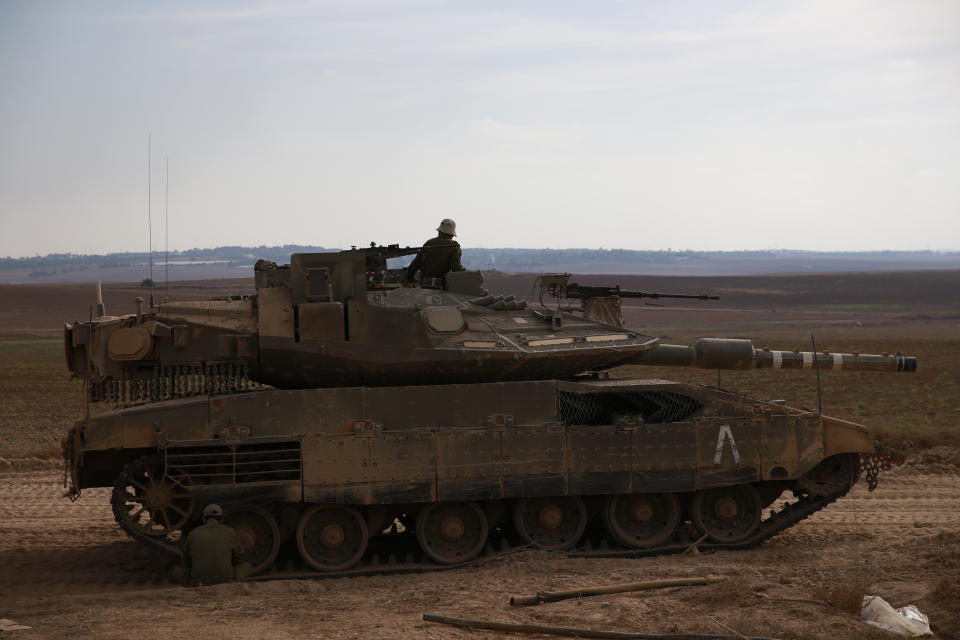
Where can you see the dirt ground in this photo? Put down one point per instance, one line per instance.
(67, 571)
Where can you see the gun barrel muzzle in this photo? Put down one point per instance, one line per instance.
(729, 353)
(769, 359)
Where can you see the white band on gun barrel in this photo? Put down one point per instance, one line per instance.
(777, 359)
(838, 361)
(807, 360)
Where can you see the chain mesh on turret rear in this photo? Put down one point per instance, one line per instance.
(166, 382)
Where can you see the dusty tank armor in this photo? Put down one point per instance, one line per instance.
(424, 426)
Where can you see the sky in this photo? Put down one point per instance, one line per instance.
(712, 125)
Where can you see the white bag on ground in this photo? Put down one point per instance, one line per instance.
(10, 625)
(906, 621)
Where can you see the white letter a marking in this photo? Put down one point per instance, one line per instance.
(726, 435)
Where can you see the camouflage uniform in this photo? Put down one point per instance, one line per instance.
(437, 258)
(210, 554)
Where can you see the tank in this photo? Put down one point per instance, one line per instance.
(347, 422)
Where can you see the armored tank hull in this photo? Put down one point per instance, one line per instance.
(343, 479)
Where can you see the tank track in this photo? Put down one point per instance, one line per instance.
(790, 515)
(400, 554)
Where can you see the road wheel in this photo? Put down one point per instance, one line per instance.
(727, 514)
(641, 520)
(550, 523)
(451, 532)
(258, 534)
(332, 537)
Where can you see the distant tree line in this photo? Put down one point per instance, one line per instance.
(504, 259)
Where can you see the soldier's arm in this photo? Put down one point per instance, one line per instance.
(412, 269)
(455, 264)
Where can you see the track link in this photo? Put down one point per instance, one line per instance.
(400, 555)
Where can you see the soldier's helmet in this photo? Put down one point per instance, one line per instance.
(212, 511)
(448, 226)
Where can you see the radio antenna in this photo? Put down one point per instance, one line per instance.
(816, 366)
(166, 245)
(150, 213)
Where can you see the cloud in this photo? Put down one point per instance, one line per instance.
(656, 118)
(526, 136)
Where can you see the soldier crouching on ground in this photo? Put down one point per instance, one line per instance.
(211, 553)
(438, 257)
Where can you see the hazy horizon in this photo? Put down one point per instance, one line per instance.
(158, 252)
(735, 125)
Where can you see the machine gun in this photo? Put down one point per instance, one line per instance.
(602, 303)
(575, 290)
(375, 262)
(558, 285)
(376, 256)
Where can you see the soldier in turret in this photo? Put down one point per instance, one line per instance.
(438, 257)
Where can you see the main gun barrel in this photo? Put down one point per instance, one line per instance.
(729, 353)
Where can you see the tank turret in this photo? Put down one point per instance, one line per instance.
(344, 319)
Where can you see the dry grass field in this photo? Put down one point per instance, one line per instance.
(67, 571)
(39, 398)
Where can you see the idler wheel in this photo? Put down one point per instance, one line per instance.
(332, 537)
(833, 476)
(152, 501)
(550, 523)
(451, 532)
(641, 520)
(727, 514)
(257, 533)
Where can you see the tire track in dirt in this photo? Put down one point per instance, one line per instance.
(34, 515)
(51, 545)
(905, 506)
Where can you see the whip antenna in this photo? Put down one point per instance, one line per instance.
(166, 245)
(816, 366)
(149, 215)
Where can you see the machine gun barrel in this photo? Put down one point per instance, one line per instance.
(585, 292)
(386, 251)
(724, 353)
